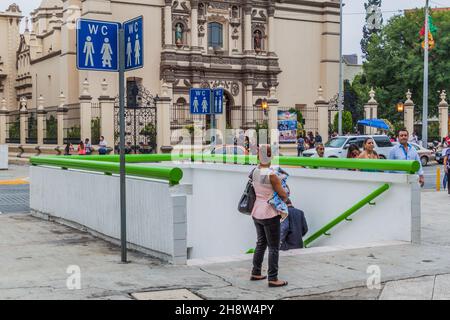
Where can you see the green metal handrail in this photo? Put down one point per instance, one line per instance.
(407, 166)
(346, 214)
(172, 175)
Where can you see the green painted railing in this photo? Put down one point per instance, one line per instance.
(367, 200)
(172, 175)
(338, 163)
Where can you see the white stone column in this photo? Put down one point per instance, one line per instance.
(271, 30)
(322, 115)
(249, 117)
(194, 24)
(248, 28)
(23, 120)
(273, 102)
(409, 113)
(168, 23)
(163, 117)
(40, 121)
(107, 114)
(85, 112)
(60, 118)
(443, 115)
(69, 80)
(370, 111)
(3, 115)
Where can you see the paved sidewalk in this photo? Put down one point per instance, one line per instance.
(37, 253)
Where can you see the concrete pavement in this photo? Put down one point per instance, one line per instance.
(36, 256)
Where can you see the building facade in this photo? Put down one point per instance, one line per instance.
(279, 51)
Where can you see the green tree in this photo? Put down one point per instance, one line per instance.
(395, 62)
(352, 101)
(347, 122)
(51, 128)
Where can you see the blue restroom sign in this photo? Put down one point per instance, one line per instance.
(97, 45)
(200, 100)
(134, 43)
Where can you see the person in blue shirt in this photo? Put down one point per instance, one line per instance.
(404, 151)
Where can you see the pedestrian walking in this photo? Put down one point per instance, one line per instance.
(404, 151)
(447, 169)
(300, 146)
(266, 218)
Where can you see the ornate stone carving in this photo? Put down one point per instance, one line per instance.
(234, 89)
(235, 34)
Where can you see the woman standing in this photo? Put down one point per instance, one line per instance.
(266, 218)
(369, 152)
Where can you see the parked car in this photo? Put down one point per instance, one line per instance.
(337, 147)
(425, 155)
(440, 154)
(226, 149)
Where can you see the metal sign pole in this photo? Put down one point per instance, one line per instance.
(425, 83)
(123, 207)
(212, 110)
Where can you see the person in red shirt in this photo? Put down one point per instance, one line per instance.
(81, 149)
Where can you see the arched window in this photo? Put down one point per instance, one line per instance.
(215, 35)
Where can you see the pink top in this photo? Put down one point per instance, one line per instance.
(264, 191)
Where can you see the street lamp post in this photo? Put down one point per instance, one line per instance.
(425, 82)
(340, 96)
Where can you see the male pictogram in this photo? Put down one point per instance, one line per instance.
(89, 51)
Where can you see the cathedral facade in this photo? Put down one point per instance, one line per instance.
(258, 50)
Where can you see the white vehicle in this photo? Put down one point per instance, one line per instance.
(337, 147)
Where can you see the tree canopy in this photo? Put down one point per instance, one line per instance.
(394, 63)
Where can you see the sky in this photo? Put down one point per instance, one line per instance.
(353, 16)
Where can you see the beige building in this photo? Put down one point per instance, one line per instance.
(279, 51)
(351, 67)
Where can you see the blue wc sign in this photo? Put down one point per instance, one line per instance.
(134, 43)
(97, 45)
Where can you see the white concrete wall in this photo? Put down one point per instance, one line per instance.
(200, 216)
(3, 156)
(216, 228)
(156, 213)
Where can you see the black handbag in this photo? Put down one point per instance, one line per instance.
(248, 198)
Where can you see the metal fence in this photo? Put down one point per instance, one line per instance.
(181, 117)
(247, 117)
(51, 126)
(31, 127)
(95, 123)
(13, 127)
(310, 115)
(72, 126)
